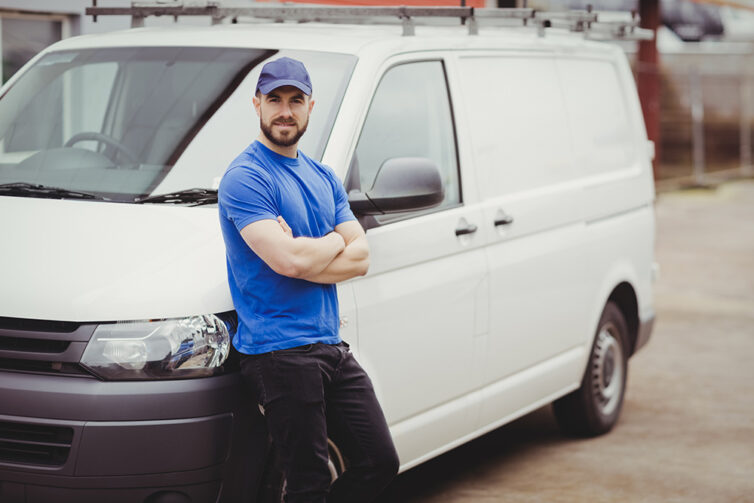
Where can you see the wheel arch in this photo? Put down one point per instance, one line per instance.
(624, 296)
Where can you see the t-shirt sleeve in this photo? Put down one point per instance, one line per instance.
(343, 211)
(246, 196)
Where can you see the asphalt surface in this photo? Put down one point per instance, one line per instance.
(686, 433)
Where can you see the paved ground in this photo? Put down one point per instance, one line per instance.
(687, 429)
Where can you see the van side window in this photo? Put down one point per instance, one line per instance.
(603, 142)
(410, 116)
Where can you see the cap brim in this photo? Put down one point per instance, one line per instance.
(270, 86)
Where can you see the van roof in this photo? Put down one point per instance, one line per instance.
(340, 38)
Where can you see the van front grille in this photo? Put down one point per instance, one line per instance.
(25, 324)
(32, 345)
(43, 367)
(43, 346)
(34, 443)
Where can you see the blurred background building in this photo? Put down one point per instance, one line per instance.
(705, 77)
(700, 112)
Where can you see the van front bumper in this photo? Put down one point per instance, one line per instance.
(67, 439)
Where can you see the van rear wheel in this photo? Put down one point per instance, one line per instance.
(594, 408)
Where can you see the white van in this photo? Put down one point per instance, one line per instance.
(529, 280)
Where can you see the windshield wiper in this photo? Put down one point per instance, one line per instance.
(188, 196)
(44, 191)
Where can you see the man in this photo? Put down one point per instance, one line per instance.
(290, 236)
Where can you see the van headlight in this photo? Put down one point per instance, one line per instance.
(167, 349)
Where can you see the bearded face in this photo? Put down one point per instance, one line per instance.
(282, 132)
(284, 115)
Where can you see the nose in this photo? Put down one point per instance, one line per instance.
(285, 110)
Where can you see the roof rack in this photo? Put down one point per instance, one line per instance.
(584, 21)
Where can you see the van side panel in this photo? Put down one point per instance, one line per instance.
(561, 155)
(518, 132)
(610, 142)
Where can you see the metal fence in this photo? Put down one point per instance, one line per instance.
(706, 119)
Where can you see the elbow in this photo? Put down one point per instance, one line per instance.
(364, 263)
(363, 267)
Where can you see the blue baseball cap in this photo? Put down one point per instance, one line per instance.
(284, 72)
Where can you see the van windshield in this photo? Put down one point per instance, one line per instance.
(113, 122)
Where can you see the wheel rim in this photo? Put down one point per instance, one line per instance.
(335, 463)
(607, 370)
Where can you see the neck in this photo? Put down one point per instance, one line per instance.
(291, 151)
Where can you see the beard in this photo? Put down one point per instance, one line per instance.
(283, 140)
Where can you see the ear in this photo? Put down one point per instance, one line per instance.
(311, 105)
(255, 101)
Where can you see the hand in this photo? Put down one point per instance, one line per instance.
(284, 225)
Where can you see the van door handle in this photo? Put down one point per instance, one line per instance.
(503, 219)
(468, 229)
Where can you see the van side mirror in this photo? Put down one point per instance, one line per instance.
(401, 184)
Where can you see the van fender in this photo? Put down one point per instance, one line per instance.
(620, 281)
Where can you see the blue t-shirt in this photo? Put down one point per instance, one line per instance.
(275, 311)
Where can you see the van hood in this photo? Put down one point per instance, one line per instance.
(93, 261)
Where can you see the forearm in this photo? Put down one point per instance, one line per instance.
(310, 256)
(351, 262)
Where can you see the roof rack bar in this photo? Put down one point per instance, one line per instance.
(300, 13)
(504, 13)
(282, 12)
(586, 21)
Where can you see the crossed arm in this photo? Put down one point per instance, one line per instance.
(337, 256)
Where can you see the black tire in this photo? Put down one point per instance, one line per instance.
(594, 408)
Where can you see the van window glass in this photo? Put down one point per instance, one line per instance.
(517, 120)
(603, 140)
(410, 116)
(79, 98)
(114, 121)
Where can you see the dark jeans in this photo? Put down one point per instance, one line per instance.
(312, 392)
